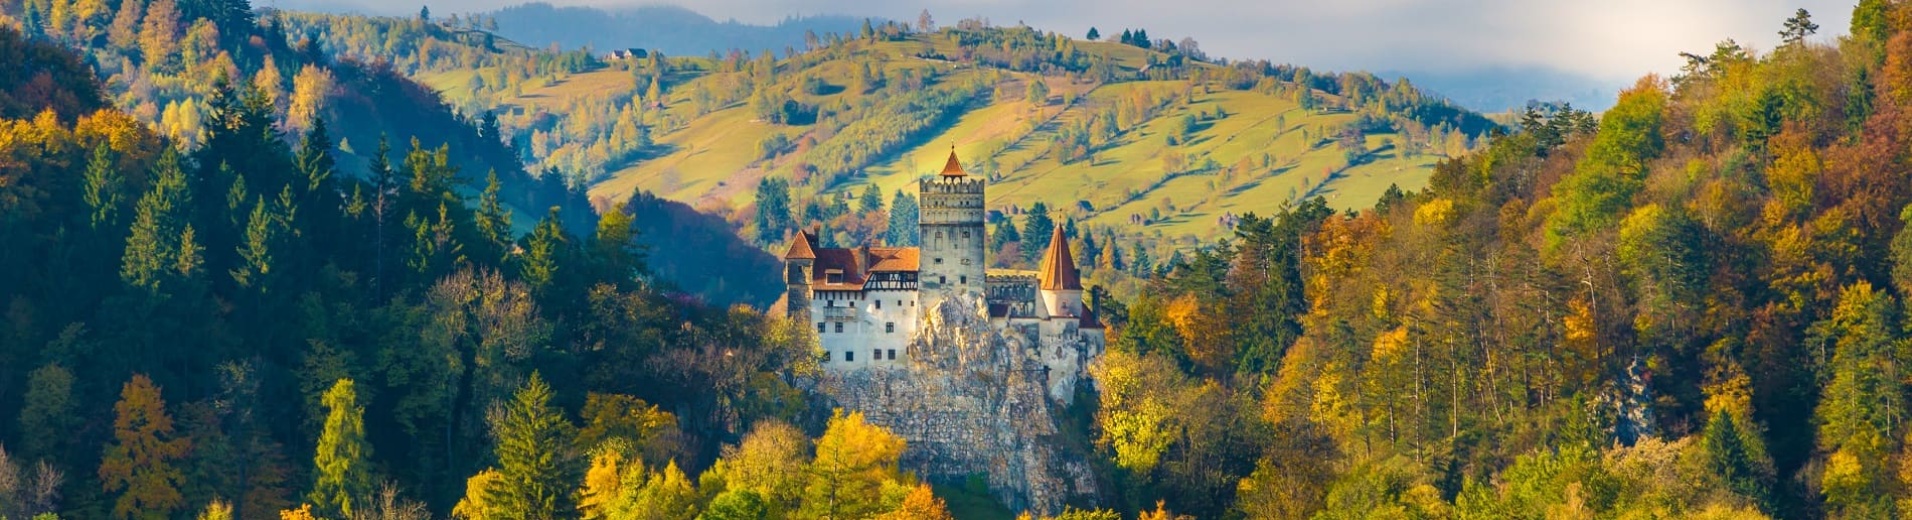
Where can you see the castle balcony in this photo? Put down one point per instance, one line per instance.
(840, 314)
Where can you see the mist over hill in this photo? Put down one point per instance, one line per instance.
(672, 29)
(1500, 89)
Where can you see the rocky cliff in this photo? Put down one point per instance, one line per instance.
(978, 401)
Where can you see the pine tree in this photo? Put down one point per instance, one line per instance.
(904, 215)
(539, 264)
(871, 201)
(1036, 228)
(159, 220)
(255, 253)
(1798, 27)
(342, 464)
(494, 222)
(139, 463)
(102, 190)
(534, 464)
(1093, 34)
(1728, 458)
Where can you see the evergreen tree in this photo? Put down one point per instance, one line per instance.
(103, 185)
(1036, 228)
(773, 209)
(342, 463)
(255, 253)
(159, 225)
(1728, 458)
(1798, 27)
(139, 464)
(539, 265)
(871, 201)
(534, 463)
(494, 221)
(904, 216)
(1093, 35)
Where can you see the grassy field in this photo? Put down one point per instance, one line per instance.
(714, 160)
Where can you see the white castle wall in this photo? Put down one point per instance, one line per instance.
(870, 323)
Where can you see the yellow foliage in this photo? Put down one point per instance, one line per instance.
(602, 483)
(1579, 321)
(1135, 412)
(473, 506)
(920, 504)
(1389, 345)
(304, 512)
(1435, 213)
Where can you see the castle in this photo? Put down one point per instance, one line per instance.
(868, 302)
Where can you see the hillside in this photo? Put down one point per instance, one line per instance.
(1141, 141)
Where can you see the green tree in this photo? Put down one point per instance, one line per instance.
(102, 192)
(540, 263)
(773, 209)
(342, 464)
(157, 242)
(139, 464)
(736, 504)
(1036, 228)
(904, 215)
(1094, 35)
(1861, 410)
(1729, 459)
(494, 221)
(535, 465)
(871, 201)
(1798, 27)
(1614, 168)
(46, 418)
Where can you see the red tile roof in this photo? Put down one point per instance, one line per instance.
(1058, 271)
(855, 267)
(800, 248)
(953, 168)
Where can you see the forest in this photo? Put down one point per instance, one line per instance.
(1689, 306)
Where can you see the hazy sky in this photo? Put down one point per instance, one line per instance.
(1612, 40)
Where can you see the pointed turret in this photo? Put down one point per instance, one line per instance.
(800, 248)
(953, 168)
(1058, 271)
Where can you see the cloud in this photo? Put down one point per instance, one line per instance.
(1608, 39)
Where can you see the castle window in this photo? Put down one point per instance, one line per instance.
(942, 279)
(892, 354)
(889, 327)
(879, 304)
(826, 356)
(820, 327)
(964, 279)
(876, 353)
(965, 235)
(939, 261)
(965, 261)
(839, 328)
(849, 355)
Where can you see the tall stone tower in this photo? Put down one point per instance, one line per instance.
(798, 262)
(953, 240)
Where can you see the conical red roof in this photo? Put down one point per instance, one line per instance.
(953, 168)
(1058, 270)
(800, 248)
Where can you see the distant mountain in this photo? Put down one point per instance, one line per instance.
(1500, 89)
(671, 29)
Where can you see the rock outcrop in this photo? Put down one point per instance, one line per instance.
(975, 400)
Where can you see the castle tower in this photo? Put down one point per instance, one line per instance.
(1061, 283)
(797, 264)
(952, 235)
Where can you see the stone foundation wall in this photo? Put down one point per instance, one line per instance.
(975, 401)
